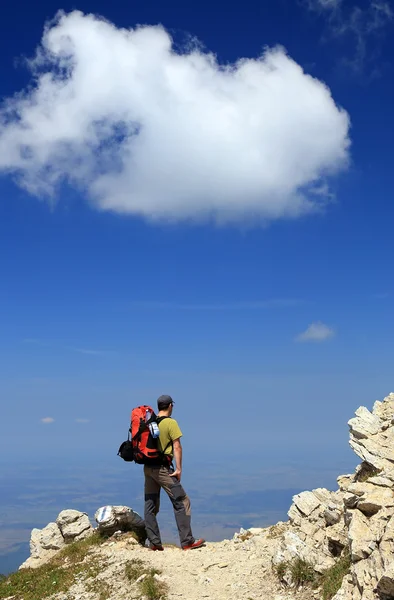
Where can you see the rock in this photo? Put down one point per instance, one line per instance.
(44, 543)
(123, 518)
(344, 481)
(74, 525)
(381, 481)
(371, 503)
(332, 515)
(364, 424)
(48, 538)
(306, 502)
(385, 584)
(364, 534)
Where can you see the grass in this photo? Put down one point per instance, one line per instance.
(331, 580)
(134, 570)
(150, 587)
(366, 472)
(57, 575)
(302, 573)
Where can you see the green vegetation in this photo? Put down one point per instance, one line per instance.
(331, 579)
(134, 570)
(150, 586)
(300, 570)
(78, 562)
(302, 573)
(366, 472)
(55, 576)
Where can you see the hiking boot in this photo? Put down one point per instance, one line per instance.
(196, 544)
(154, 547)
(141, 537)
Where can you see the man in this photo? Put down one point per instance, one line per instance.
(164, 476)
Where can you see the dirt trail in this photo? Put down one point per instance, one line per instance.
(227, 570)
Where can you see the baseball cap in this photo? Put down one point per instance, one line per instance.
(164, 402)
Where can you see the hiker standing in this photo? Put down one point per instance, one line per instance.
(164, 476)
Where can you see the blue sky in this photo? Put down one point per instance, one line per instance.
(245, 269)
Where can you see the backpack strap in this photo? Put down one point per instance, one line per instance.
(170, 443)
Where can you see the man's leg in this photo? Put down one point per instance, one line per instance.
(181, 504)
(152, 504)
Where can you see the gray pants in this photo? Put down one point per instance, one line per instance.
(155, 479)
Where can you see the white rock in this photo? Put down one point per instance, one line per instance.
(364, 424)
(306, 502)
(74, 525)
(375, 501)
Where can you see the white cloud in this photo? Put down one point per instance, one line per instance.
(144, 130)
(82, 420)
(364, 24)
(47, 420)
(316, 332)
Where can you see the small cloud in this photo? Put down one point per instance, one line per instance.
(364, 25)
(316, 332)
(381, 296)
(90, 351)
(47, 420)
(82, 420)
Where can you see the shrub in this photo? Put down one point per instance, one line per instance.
(281, 569)
(300, 570)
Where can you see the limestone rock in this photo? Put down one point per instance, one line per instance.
(364, 424)
(362, 539)
(306, 502)
(118, 518)
(371, 503)
(385, 585)
(74, 525)
(48, 538)
(44, 543)
(344, 481)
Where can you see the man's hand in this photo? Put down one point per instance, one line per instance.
(177, 474)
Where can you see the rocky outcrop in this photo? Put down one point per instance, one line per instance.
(74, 525)
(110, 519)
(70, 526)
(354, 523)
(357, 518)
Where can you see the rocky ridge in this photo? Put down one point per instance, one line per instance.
(356, 520)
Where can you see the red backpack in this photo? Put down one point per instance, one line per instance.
(144, 445)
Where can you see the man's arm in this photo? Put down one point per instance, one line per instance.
(178, 459)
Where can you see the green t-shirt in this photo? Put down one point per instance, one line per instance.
(169, 431)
